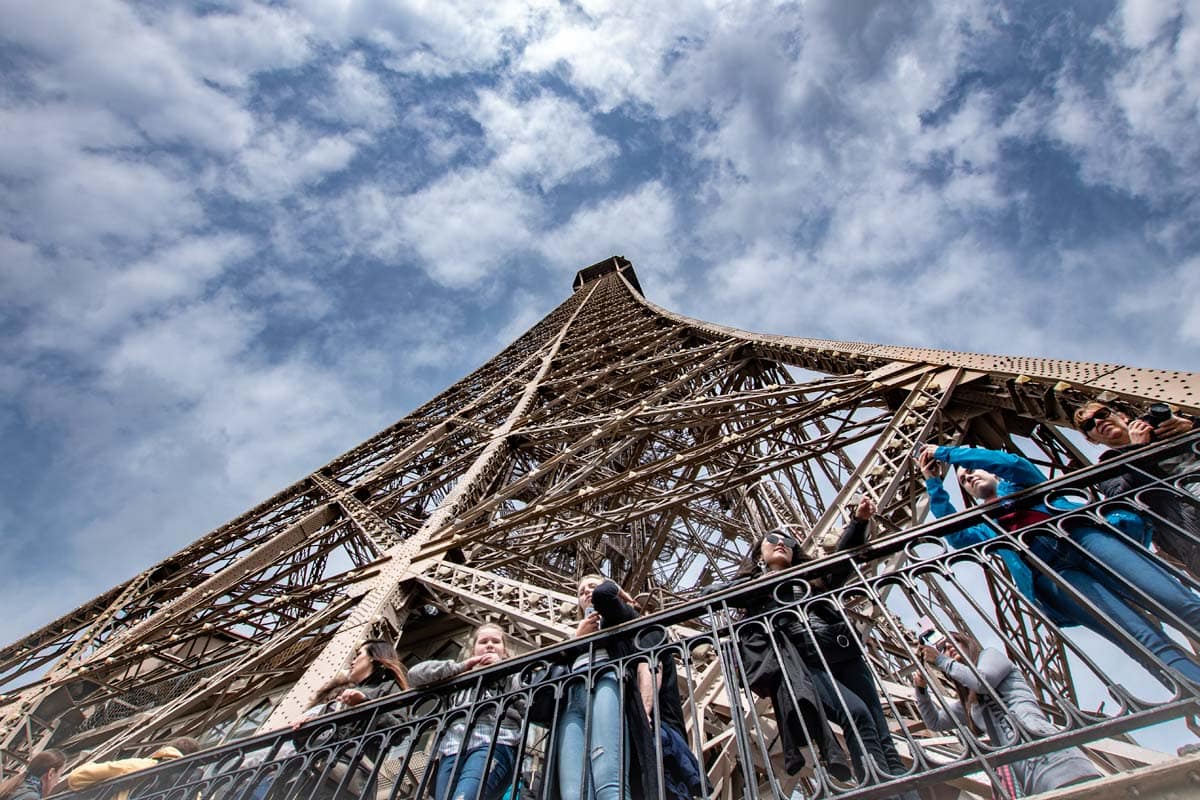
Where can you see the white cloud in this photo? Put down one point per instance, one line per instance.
(1141, 21)
(1135, 132)
(89, 197)
(431, 39)
(618, 53)
(78, 304)
(289, 158)
(34, 140)
(358, 97)
(145, 78)
(467, 224)
(547, 137)
(229, 48)
(291, 295)
(176, 273)
(640, 225)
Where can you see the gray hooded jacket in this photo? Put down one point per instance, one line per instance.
(1020, 708)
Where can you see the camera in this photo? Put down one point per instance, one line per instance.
(1156, 415)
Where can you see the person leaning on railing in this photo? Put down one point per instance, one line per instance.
(994, 697)
(467, 761)
(1177, 535)
(93, 772)
(824, 654)
(1111, 572)
(37, 780)
(620, 726)
(375, 672)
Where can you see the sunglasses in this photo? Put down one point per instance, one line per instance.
(1089, 423)
(779, 538)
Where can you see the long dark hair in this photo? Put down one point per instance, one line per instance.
(970, 648)
(752, 565)
(383, 656)
(38, 766)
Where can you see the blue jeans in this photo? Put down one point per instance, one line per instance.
(603, 780)
(466, 787)
(1115, 595)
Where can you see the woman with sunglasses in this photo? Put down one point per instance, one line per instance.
(831, 654)
(994, 698)
(1177, 532)
(1106, 567)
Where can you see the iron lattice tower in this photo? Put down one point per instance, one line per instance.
(614, 436)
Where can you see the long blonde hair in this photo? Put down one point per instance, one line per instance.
(590, 576)
(970, 648)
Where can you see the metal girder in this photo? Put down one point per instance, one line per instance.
(886, 474)
(613, 435)
(385, 590)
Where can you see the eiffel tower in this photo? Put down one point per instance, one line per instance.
(615, 436)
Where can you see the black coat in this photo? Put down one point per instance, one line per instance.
(1179, 538)
(779, 665)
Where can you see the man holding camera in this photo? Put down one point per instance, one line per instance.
(1177, 533)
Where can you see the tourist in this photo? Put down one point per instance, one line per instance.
(1102, 565)
(831, 660)
(993, 697)
(1177, 530)
(38, 778)
(463, 758)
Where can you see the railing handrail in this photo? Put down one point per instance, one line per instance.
(716, 600)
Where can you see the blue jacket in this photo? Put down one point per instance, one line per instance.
(1015, 473)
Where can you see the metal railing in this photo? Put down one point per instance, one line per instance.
(772, 697)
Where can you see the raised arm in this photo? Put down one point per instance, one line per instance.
(853, 535)
(607, 600)
(1015, 469)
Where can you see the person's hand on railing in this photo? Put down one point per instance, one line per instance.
(352, 697)
(483, 660)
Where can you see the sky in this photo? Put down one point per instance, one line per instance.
(236, 239)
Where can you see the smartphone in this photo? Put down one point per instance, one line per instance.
(928, 633)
